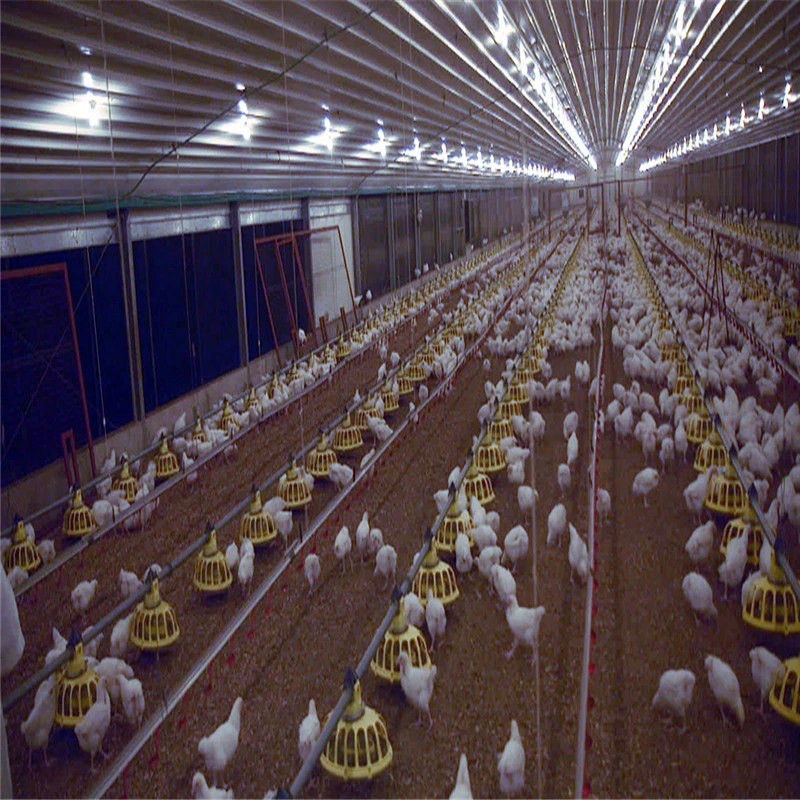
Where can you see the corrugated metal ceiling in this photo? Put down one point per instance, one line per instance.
(544, 82)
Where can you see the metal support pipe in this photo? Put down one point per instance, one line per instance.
(238, 280)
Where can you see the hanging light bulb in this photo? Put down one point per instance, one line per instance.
(761, 107)
(479, 158)
(381, 142)
(463, 156)
(491, 162)
(728, 125)
(328, 134)
(242, 105)
(716, 132)
(742, 117)
(786, 93)
(87, 79)
(705, 136)
(417, 151)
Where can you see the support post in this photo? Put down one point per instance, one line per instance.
(390, 241)
(358, 278)
(437, 228)
(131, 314)
(238, 279)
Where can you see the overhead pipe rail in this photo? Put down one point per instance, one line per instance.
(191, 549)
(777, 362)
(146, 731)
(386, 309)
(135, 508)
(728, 441)
(307, 768)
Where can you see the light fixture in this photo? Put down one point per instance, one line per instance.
(728, 125)
(240, 87)
(716, 132)
(242, 105)
(761, 107)
(479, 158)
(491, 161)
(444, 152)
(463, 156)
(742, 117)
(87, 79)
(92, 114)
(327, 134)
(87, 51)
(503, 28)
(417, 150)
(381, 142)
(787, 92)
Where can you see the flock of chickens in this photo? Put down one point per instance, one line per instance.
(767, 435)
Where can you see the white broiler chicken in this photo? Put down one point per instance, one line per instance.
(91, 730)
(435, 618)
(725, 687)
(386, 564)
(113, 669)
(37, 726)
(564, 478)
(362, 536)
(556, 524)
(644, 483)
(312, 570)
(484, 537)
(374, 542)
(487, 558)
(503, 584)
(83, 595)
(524, 624)
(132, 698)
(463, 789)
(700, 596)
(695, 492)
(414, 610)
(463, 553)
(511, 763)
(232, 555)
(202, 791)
(46, 550)
(578, 556)
(674, 693)
(217, 749)
(342, 545)
(120, 637)
(515, 546)
(245, 570)
(417, 685)
(308, 732)
(129, 583)
(603, 504)
(699, 544)
(572, 449)
(764, 667)
(570, 424)
(525, 499)
(731, 570)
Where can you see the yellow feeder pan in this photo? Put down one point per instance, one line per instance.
(363, 412)
(167, 463)
(478, 484)
(22, 552)
(252, 398)
(154, 625)
(347, 436)
(725, 494)
(784, 696)
(436, 575)
(257, 524)
(76, 687)
(489, 457)
(771, 605)
(683, 368)
(226, 422)
(342, 348)
(500, 428)
(711, 453)
(683, 383)
(414, 371)
(698, 426)
(359, 748)
(212, 573)
(78, 519)
(454, 522)
(517, 390)
(508, 408)
(671, 352)
(293, 489)
(405, 385)
(692, 400)
(748, 525)
(400, 638)
(319, 460)
(391, 399)
(125, 482)
(199, 433)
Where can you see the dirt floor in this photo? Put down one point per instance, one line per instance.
(298, 647)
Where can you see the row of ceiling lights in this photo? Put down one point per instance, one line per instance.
(722, 129)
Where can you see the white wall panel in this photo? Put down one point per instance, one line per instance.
(329, 278)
